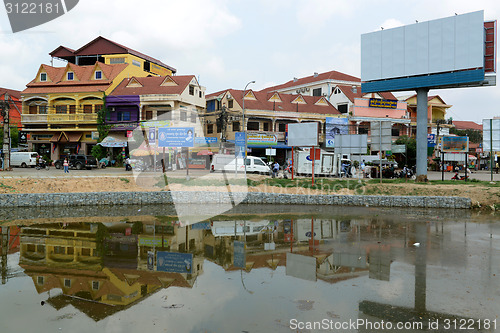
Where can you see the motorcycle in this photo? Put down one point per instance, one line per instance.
(42, 164)
(457, 177)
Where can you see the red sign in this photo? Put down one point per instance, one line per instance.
(316, 152)
(129, 134)
(479, 150)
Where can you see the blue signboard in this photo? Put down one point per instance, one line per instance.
(431, 140)
(204, 140)
(239, 254)
(152, 135)
(174, 262)
(176, 137)
(239, 139)
(201, 226)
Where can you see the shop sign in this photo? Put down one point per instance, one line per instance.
(383, 103)
(262, 139)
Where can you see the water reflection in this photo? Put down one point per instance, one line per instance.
(388, 267)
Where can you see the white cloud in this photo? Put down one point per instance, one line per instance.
(314, 14)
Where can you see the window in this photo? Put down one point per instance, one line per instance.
(59, 250)
(236, 126)
(253, 125)
(336, 91)
(98, 75)
(32, 109)
(210, 128)
(43, 77)
(200, 94)
(67, 283)
(191, 90)
(97, 108)
(123, 116)
(70, 76)
(266, 127)
(183, 116)
(149, 114)
(61, 109)
(395, 132)
(317, 92)
(95, 285)
(42, 109)
(342, 108)
(363, 130)
(281, 127)
(193, 117)
(116, 60)
(138, 64)
(86, 252)
(87, 108)
(72, 109)
(40, 280)
(258, 162)
(230, 104)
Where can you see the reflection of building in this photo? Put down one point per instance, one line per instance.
(93, 262)
(60, 105)
(14, 106)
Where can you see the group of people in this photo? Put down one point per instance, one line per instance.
(287, 168)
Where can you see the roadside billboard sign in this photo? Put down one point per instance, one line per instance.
(334, 126)
(491, 135)
(303, 135)
(351, 143)
(176, 137)
(239, 254)
(455, 144)
(381, 130)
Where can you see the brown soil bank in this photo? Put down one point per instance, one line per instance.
(482, 194)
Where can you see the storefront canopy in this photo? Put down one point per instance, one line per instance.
(114, 140)
(66, 137)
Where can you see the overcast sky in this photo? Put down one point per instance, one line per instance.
(227, 43)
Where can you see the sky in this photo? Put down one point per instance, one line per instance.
(228, 43)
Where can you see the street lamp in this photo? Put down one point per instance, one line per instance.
(244, 127)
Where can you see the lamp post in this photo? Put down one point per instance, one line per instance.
(244, 127)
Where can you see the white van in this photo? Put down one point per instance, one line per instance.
(228, 163)
(23, 159)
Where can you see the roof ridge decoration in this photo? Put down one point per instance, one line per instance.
(168, 82)
(250, 95)
(321, 101)
(299, 100)
(134, 83)
(275, 97)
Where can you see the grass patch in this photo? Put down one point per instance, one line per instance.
(126, 180)
(2, 185)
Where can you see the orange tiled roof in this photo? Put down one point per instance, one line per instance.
(82, 83)
(331, 75)
(262, 102)
(152, 85)
(463, 125)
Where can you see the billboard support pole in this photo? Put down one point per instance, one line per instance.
(293, 164)
(313, 158)
(466, 164)
(380, 147)
(491, 148)
(442, 164)
(422, 134)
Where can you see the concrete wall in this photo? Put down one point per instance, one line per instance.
(143, 198)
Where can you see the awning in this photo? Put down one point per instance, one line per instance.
(66, 137)
(114, 140)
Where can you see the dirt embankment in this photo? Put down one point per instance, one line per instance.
(480, 194)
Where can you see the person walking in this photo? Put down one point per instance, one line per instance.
(66, 165)
(276, 168)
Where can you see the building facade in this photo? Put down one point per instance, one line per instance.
(60, 105)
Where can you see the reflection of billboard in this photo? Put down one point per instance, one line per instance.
(335, 126)
(302, 267)
(174, 262)
(176, 137)
(455, 144)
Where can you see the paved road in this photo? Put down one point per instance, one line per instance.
(120, 172)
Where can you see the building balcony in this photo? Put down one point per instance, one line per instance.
(72, 118)
(280, 135)
(123, 126)
(34, 118)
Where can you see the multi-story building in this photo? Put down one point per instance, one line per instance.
(61, 104)
(14, 100)
(266, 116)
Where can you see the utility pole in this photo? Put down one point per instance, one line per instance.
(4, 105)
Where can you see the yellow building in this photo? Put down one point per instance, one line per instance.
(60, 105)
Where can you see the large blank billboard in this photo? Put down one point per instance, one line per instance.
(303, 135)
(445, 45)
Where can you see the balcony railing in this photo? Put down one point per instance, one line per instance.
(34, 118)
(59, 118)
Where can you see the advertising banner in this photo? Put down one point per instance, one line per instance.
(455, 144)
(176, 137)
(262, 139)
(335, 126)
(303, 134)
(383, 103)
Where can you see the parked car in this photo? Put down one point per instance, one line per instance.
(23, 159)
(226, 163)
(78, 162)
